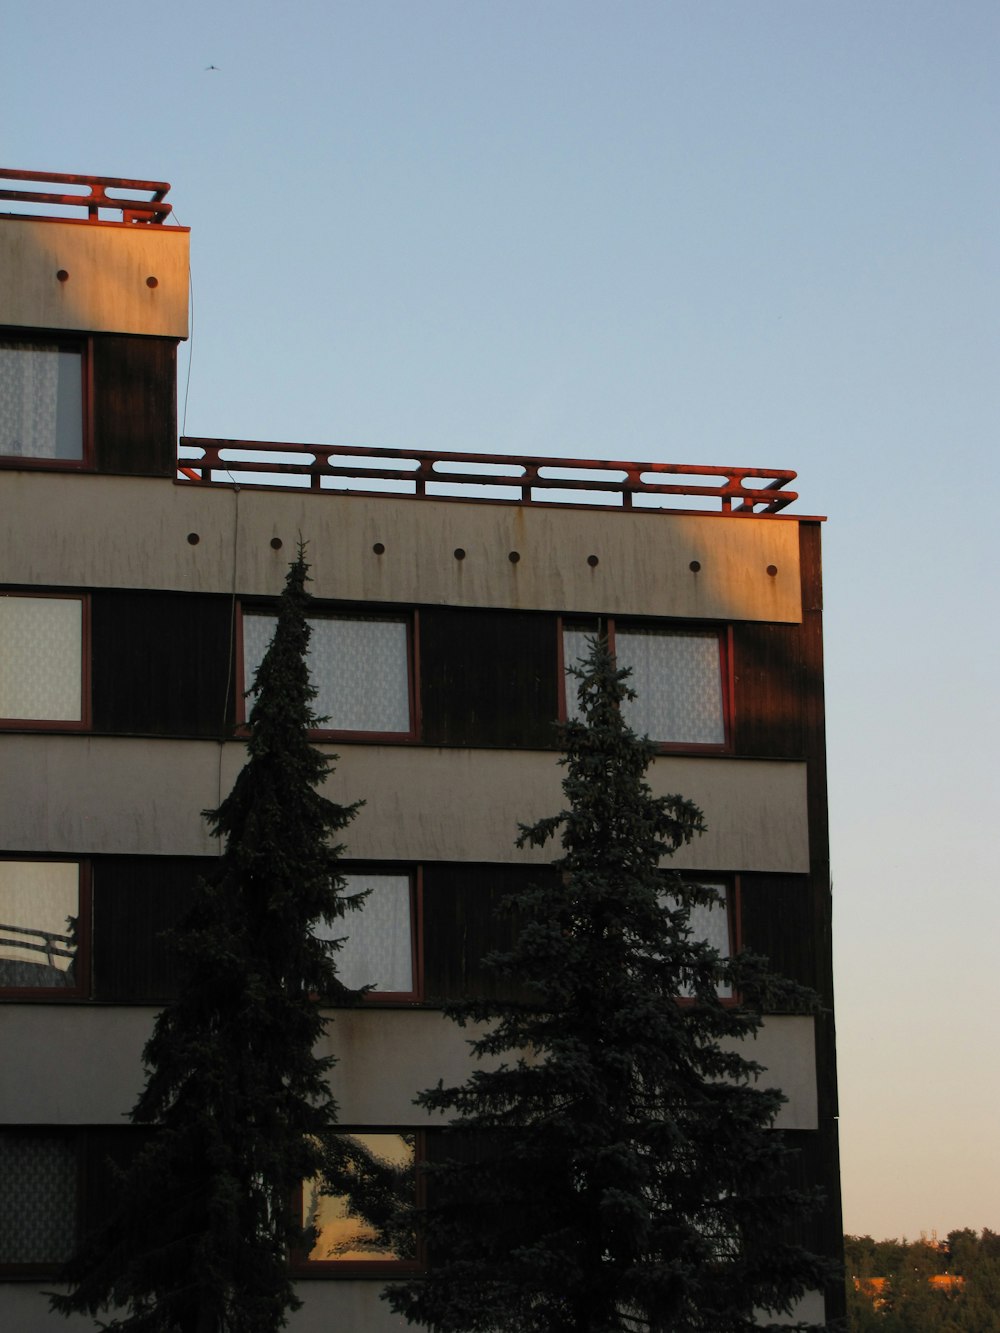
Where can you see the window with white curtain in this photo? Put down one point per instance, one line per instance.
(359, 665)
(676, 675)
(377, 947)
(710, 922)
(41, 401)
(41, 658)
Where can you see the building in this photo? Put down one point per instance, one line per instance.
(136, 584)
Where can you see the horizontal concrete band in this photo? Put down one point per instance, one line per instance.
(98, 1073)
(117, 795)
(343, 1304)
(132, 532)
(107, 268)
(326, 1305)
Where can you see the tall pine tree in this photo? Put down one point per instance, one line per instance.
(612, 1168)
(240, 1102)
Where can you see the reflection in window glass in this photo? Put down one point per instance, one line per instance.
(358, 664)
(39, 917)
(41, 401)
(41, 651)
(677, 678)
(377, 949)
(355, 1210)
(38, 1198)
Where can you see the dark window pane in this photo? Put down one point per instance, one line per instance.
(136, 899)
(162, 663)
(778, 921)
(135, 405)
(463, 923)
(488, 677)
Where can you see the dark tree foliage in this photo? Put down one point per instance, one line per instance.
(613, 1168)
(244, 1113)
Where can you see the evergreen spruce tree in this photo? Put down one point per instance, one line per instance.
(240, 1102)
(611, 1166)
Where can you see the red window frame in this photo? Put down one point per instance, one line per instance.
(65, 343)
(410, 618)
(81, 987)
(415, 876)
(608, 625)
(58, 724)
(304, 1267)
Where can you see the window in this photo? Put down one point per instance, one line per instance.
(713, 923)
(58, 1185)
(41, 401)
(359, 664)
(380, 938)
(354, 1210)
(38, 1200)
(42, 659)
(677, 675)
(43, 929)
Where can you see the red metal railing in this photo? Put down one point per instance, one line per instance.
(491, 477)
(132, 210)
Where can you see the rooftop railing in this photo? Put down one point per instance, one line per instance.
(422, 474)
(96, 198)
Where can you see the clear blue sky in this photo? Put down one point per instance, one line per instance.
(747, 232)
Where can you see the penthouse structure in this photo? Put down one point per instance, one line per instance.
(138, 579)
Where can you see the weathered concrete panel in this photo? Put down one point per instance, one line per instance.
(71, 1064)
(108, 264)
(425, 1046)
(335, 1305)
(465, 805)
(340, 1305)
(385, 1057)
(809, 1309)
(92, 531)
(89, 794)
(84, 794)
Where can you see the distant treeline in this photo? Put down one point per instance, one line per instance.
(924, 1286)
